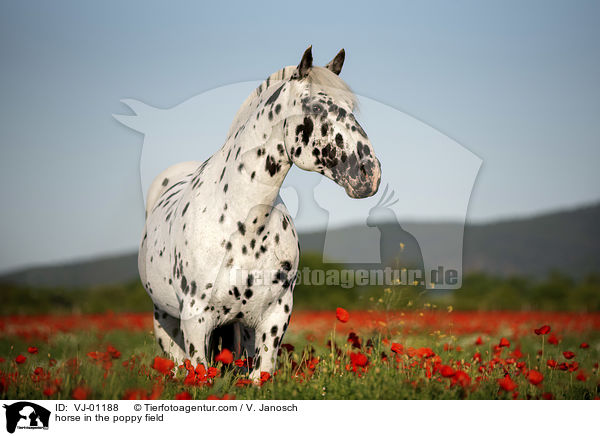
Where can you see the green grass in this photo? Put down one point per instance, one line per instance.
(329, 381)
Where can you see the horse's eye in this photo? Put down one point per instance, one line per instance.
(317, 108)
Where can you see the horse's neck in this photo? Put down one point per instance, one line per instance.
(245, 155)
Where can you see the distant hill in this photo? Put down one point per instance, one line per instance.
(567, 241)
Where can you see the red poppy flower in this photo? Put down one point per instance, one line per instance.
(552, 363)
(80, 393)
(461, 378)
(49, 391)
(164, 366)
(240, 384)
(135, 394)
(479, 341)
(240, 363)
(20, 359)
(568, 354)
(397, 348)
(517, 353)
(342, 314)
(547, 396)
(504, 343)
(224, 357)
(535, 377)
(183, 396)
(581, 376)
(425, 352)
(584, 345)
(552, 339)
(264, 376)
(32, 350)
(200, 372)
(212, 372)
(507, 383)
(94, 355)
(114, 353)
(543, 330)
(447, 371)
(359, 359)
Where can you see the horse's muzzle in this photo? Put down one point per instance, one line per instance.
(368, 184)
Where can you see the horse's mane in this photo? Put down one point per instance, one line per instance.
(318, 76)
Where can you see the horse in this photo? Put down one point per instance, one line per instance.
(207, 222)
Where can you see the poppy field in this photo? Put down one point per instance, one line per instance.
(428, 353)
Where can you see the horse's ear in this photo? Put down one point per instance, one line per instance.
(337, 62)
(305, 64)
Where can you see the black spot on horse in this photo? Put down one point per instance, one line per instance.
(271, 166)
(274, 96)
(241, 228)
(305, 129)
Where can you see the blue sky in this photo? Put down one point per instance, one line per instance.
(517, 83)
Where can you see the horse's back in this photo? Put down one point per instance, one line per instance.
(166, 179)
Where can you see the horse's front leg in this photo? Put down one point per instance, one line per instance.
(269, 335)
(196, 333)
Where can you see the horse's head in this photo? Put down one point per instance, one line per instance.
(322, 135)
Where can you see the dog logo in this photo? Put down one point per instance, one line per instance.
(26, 415)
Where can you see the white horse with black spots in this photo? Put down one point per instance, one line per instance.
(205, 222)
